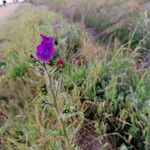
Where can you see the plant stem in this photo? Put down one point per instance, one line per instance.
(54, 97)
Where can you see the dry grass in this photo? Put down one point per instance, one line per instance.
(101, 97)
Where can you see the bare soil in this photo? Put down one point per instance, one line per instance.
(7, 11)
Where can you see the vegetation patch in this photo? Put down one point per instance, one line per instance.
(61, 90)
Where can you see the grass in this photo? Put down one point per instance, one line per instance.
(101, 90)
(103, 18)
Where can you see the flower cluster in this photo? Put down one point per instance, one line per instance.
(56, 24)
(45, 50)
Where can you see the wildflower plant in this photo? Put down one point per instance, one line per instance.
(47, 58)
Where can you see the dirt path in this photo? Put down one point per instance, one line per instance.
(7, 11)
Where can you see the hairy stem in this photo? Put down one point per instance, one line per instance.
(51, 92)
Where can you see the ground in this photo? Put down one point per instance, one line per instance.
(7, 11)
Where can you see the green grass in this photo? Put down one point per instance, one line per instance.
(104, 88)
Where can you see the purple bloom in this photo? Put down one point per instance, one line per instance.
(56, 24)
(45, 50)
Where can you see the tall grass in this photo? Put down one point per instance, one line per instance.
(102, 97)
(107, 19)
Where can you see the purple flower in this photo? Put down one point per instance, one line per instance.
(56, 24)
(45, 50)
